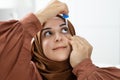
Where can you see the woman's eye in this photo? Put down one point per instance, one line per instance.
(65, 30)
(48, 33)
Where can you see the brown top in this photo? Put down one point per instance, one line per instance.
(88, 71)
(15, 47)
(15, 55)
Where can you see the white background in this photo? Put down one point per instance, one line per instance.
(96, 20)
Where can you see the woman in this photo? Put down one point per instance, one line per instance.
(61, 55)
(15, 42)
(15, 49)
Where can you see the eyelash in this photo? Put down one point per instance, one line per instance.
(65, 28)
(51, 33)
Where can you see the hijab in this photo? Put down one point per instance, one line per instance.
(49, 69)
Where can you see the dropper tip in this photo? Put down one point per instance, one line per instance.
(65, 16)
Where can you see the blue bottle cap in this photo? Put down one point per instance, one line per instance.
(65, 16)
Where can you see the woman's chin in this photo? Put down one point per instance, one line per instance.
(61, 58)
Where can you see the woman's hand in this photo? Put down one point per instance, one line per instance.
(53, 8)
(81, 50)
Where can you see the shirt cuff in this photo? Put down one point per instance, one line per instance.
(84, 69)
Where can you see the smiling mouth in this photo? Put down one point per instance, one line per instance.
(61, 47)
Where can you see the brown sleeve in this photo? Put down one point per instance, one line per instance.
(88, 71)
(14, 31)
(15, 47)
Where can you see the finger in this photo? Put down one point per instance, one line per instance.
(69, 37)
(87, 45)
(64, 9)
(86, 42)
(52, 1)
(72, 39)
(82, 40)
(75, 43)
(79, 40)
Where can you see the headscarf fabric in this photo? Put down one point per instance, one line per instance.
(49, 69)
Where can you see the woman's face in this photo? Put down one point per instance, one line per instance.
(54, 40)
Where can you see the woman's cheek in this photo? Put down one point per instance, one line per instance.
(47, 44)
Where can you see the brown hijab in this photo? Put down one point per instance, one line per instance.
(49, 69)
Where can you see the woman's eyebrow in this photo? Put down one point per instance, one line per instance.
(51, 28)
(45, 29)
(62, 24)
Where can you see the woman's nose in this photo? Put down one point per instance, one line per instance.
(58, 37)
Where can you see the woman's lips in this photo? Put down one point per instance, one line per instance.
(60, 47)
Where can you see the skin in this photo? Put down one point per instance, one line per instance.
(53, 8)
(81, 49)
(58, 44)
(54, 41)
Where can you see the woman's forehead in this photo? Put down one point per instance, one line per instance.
(53, 22)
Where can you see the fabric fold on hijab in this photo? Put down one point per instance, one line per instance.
(49, 69)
